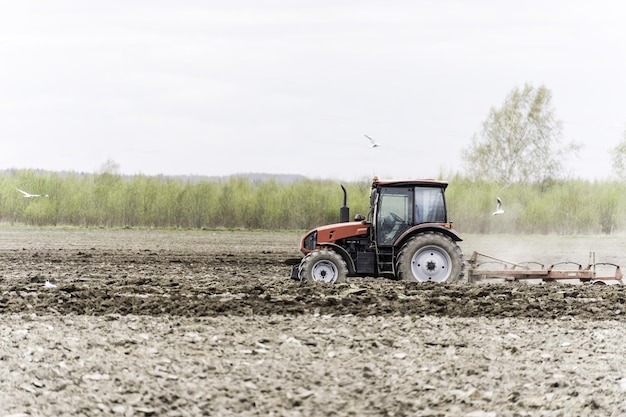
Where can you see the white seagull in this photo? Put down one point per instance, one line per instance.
(374, 144)
(50, 285)
(499, 209)
(29, 195)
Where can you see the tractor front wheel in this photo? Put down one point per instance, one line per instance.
(323, 265)
(430, 257)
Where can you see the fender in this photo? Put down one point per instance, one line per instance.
(344, 254)
(426, 227)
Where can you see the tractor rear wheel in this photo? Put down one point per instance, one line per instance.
(323, 265)
(430, 257)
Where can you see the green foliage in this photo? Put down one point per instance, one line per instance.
(563, 207)
(109, 200)
(609, 206)
(519, 142)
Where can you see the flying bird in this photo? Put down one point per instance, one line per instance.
(499, 209)
(29, 195)
(374, 144)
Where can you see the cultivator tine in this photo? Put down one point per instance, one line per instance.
(528, 263)
(617, 275)
(579, 266)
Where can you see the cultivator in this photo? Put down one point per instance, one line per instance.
(484, 267)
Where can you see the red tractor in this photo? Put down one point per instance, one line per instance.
(406, 235)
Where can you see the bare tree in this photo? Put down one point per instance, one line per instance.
(519, 142)
(109, 167)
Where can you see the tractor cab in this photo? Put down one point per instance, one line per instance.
(399, 206)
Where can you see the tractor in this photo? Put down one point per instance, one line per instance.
(406, 235)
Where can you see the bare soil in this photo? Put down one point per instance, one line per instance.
(174, 323)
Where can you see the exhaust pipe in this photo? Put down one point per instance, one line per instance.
(344, 211)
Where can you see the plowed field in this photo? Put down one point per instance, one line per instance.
(208, 323)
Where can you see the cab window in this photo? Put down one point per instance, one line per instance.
(429, 205)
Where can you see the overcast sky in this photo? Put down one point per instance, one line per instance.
(287, 86)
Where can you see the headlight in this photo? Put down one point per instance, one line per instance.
(310, 241)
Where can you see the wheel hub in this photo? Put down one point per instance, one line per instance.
(324, 271)
(431, 264)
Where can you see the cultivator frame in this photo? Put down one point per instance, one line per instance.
(479, 264)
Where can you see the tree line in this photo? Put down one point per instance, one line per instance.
(111, 200)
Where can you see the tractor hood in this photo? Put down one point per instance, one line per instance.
(331, 233)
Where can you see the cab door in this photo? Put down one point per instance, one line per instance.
(394, 213)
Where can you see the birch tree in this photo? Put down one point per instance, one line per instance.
(520, 141)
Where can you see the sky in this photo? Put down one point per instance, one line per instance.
(191, 87)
